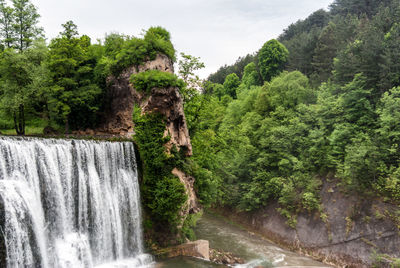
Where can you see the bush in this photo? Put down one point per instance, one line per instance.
(168, 195)
(135, 51)
(163, 194)
(188, 225)
(158, 39)
(146, 81)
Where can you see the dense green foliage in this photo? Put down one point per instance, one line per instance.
(231, 84)
(237, 68)
(19, 30)
(337, 118)
(74, 98)
(277, 141)
(162, 192)
(125, 52)
(22, 81)
(272, 58)
(145, 81)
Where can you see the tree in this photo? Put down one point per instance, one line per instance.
(316, 20)
(325, 52)
(187, 67)
(237, 68)
(15, 79)
(70, 30)
(231, 83)
(272, 58)
(25, 24)
(389, 129)
(390, 68)
(6, 25)
(21, 82)
(358, 7)
(250, 75)
(75, 96)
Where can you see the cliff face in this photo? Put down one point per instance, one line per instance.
(353, 230)
(122, 97)
(166, 101)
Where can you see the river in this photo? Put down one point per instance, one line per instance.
(256, 251)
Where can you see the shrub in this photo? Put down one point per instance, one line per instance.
(145, 81)
(163, 194)
(134, 51)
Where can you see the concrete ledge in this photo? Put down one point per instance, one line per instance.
(199, 249)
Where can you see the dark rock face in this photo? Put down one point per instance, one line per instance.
(353, 229)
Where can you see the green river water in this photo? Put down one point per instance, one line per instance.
(256, 251)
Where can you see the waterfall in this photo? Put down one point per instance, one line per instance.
(69, 204)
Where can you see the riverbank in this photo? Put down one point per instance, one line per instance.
(252, 248)
(354, 232)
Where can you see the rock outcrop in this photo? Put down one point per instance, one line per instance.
(166, 101)
(122, 97)
(191, 204)
(348, 236)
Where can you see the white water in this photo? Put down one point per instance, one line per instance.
(69, 203)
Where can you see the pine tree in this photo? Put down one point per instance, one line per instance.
(325, 52)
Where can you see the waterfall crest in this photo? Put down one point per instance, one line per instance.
(69, 203)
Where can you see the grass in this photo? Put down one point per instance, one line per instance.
(34, 126)
(29, 130)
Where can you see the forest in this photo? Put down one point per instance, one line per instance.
(320, 102)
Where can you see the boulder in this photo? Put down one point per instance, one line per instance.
(222, 257)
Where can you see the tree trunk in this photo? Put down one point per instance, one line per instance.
(19, 120)
(22, 118)
(66, 125)
(15, 124)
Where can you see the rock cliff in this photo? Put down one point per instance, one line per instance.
(167, 101)
(350, 235)
(122, 97)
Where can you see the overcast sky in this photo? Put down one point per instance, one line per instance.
(217, 31)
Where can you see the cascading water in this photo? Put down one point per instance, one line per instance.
(69, 203)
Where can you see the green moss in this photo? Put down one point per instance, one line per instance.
(147, 80)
